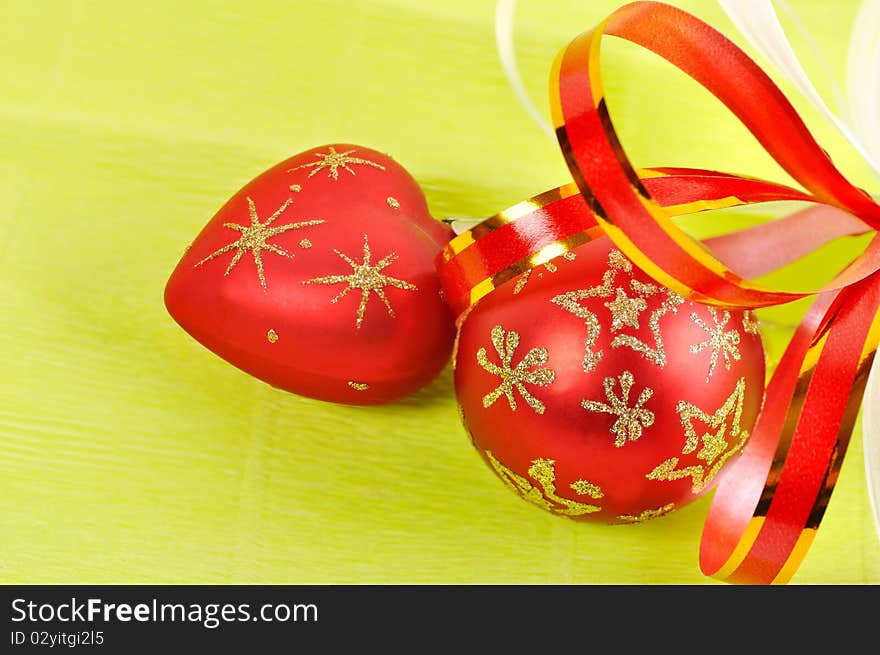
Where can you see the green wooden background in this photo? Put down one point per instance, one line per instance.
(130, 454)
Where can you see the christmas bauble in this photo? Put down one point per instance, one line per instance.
(318, 277)
(597, 394)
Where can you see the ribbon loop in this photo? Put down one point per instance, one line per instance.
(625, 209)
(769, 503)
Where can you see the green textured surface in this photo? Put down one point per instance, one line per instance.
(132, 454)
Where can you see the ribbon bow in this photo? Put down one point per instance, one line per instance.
(767, 507)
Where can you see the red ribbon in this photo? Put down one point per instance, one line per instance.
(768, 505)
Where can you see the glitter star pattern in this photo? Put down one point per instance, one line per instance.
(626, 311)
(721, 342)
(515, 378)
(717, 447)
(631, 421)
(543, 471)
(333, 161)
(254, 237)
(367, 279)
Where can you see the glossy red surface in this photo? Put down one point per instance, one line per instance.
(317, 324)
(581, 443)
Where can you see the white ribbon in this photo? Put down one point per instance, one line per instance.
(504, 42)
(759, 24)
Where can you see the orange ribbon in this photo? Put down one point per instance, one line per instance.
(769, 504)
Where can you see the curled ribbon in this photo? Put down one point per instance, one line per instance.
(767, 507)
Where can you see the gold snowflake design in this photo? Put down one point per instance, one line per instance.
(631, 421)
(367, 279)
(514, 378)
(627, 303)
(333, 161)
(717, 447)
(543, 471)
(254, 237)
(720, 341)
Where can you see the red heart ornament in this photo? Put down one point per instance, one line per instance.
(597, 394)
(318, 277)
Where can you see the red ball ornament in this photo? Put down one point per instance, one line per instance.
(597, 394)
(318, 277)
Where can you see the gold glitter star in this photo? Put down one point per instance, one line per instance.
(333, 161)
(716, 448)
(515, 379)
(544, 473)
(721, 342)
(254, 237)
(630, 420)
(625, 312)
(368, 279)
